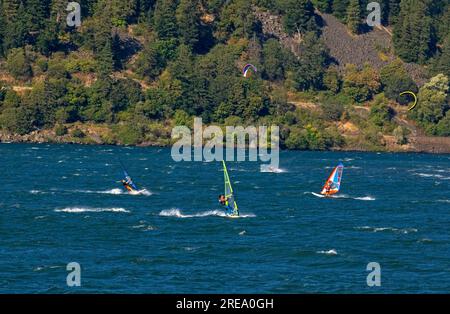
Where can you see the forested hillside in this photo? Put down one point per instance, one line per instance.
(134, 69)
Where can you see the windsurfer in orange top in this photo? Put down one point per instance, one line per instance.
(126, 185)
(328, 187)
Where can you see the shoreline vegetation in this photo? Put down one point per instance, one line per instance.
(134, 70)
(102, 135)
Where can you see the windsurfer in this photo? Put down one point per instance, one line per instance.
(328, 188)
(224, 202)
(126, 185)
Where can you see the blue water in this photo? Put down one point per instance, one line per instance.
(62, 204)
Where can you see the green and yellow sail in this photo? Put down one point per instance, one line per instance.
(229, 191)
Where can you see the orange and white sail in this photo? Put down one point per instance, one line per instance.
(333, 183)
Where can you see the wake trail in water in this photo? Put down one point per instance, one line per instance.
(115, 191)
(77, 210)
(329, 252)
(344, 196)
(174, 212)
(384, 229)
(271, 169)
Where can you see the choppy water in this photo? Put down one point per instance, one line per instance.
(62, 204)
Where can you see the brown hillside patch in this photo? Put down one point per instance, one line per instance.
(21, 89)
(6, 77)
(348, 128)
(207, 18)
(305, 105)
(86, 78)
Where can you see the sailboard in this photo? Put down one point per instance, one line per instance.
(131, 186)
(229, 194)
(333, 183)
(129, 180)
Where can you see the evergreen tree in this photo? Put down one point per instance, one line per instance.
(311, 64)
(58, 12)
(123, 12)
(354, 16)
(103, 38)
(47, 41)
(396, 80)
(18, 64)
(145, 8)
(2, 31)
(443, 61)
(340, 9)
(37, 11)
(188, 19)
(10, 9)
(273, 60)
(150, 63)
(165, 22)
(299, 16)
(16, 30)
(237, 19)
(394, 11)
(324, 5)
(413, 36)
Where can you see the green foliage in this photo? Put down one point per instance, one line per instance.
(188, 19)
(182, 118)
(332, 111)
(324, 6)
(312, 63)
(145, 65)
(339, 9)
(273, 60)
(413, 33)
(373, 138)
(433, 105)
(128, 134)
(18, 120)
(396, 80)
(393, 11)
(18, 64)
(380, 113)
(60, 130)
(237, 20)
(353, 16)
(78, 133)
(164, 18)
(332, 80)
(312, 138)
(443, 127)
(298, 16)
(361, 85)
(149, 63)
(400, 134)
(442, 62)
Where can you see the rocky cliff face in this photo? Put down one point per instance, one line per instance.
(272, 26)
(374, 47)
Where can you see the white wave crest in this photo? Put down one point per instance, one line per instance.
(365, 198)
(91, 210)
(268, 168)
(329, 252)
(144, 192)
(116, 191)
(361, 198)
(431, 175)
(174, 212)
(380, 229)
(37, 192)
